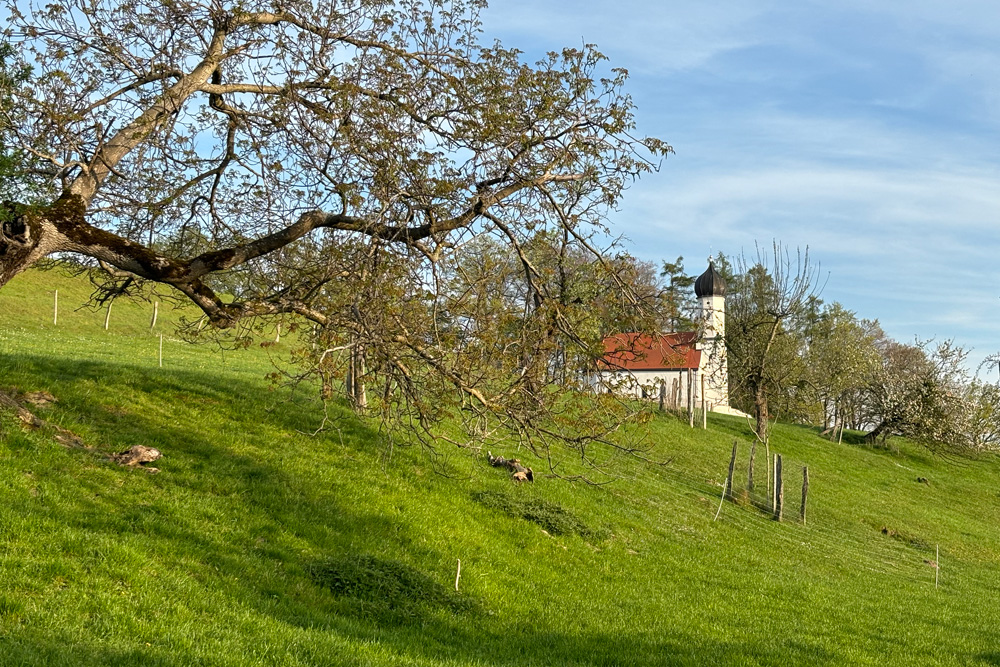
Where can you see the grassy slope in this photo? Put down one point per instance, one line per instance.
(227, 556)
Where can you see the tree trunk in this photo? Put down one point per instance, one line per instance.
(326, 392)
(880, 430)
(22, 243)
(360, 393)
(760, 414)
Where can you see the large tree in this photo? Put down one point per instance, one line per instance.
(327, 158)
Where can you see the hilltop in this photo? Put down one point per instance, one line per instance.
(261, 543)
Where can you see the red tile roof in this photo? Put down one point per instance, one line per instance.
(645, 352)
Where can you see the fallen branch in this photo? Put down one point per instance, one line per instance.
(518, 472)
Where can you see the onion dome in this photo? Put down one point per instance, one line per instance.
(710, 283)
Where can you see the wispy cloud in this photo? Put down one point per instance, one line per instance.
(869, 132)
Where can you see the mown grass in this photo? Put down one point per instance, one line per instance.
(258, 544)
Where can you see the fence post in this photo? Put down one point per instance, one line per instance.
(767, 471)
(107, 316)
(156, 311)
(663, 396)
(732, 468)
(774, 488)
(805, 492)
(704, 405)
(727, 489)
(779, 490)
(55, 310)
(753, 454)
(690, 399)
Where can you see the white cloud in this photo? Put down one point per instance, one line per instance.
(639, 34)
(868, 131)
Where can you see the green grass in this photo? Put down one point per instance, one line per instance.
(257, 544)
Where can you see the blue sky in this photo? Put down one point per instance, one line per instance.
(867, 131)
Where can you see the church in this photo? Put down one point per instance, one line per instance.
(677, 365)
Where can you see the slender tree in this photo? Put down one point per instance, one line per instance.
(765, 306)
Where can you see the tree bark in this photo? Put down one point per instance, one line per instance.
(760, 413)
(880, 430)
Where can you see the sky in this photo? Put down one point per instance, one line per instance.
(868, 132)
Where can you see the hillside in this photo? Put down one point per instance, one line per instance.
(259, 544)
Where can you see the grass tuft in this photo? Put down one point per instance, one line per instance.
(386, 590)
(553, 518)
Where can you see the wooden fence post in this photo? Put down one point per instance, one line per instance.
(704, 405)
(727, 489)
(753, 454)
(107, 316)
(732, 468)
(663, 396)
(774, 487)
(156, 311)
(55, 310)
(161, 350)
(779, 490)
(767, 471)
(690, 398)
(805, 492)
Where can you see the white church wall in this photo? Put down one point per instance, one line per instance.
(632, 384)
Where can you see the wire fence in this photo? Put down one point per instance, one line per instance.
(866, 548)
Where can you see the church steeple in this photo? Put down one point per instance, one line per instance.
(710, 283)
(710, 288)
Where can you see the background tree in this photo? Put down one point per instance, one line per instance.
(840, 357)
(678, 304)
(919, 394)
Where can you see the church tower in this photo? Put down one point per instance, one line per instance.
(710, 288)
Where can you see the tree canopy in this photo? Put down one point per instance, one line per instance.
(330, 161)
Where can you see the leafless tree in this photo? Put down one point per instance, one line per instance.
(770, 291)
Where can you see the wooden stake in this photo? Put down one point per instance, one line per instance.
(156, 311)
(161, 350)
(458, 574)
(663, 396)
(779, 486)
(55, 310)
(805, 492)
(732, 468)
(774, 488)
(937, 563)
(767, 470)
(704, 405)
(753, 455)
(727, 490)
(107, 316)
(690, 399)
